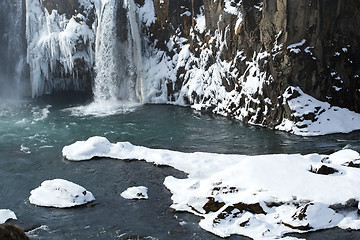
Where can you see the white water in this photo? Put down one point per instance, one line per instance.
(12, 50)
(118, 54)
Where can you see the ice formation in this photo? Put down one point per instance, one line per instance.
(53, 43)
(60, 193)
(6, 214)
(135, 193)
(262, 197)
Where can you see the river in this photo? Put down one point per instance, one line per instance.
(33, 133)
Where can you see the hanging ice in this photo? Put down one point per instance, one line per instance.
(59, 49)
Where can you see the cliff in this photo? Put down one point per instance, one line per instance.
(284, 64)
(249, 59)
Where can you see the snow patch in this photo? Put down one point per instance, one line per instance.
(60, 193)
(311, 117)
(135, 193)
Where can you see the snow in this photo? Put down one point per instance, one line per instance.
(135, 193)
(327, 119)
(6, 214)
(294, 47)
(231, 7)
(281, 185)
(60, 193)
(147, 13)
(200, 23)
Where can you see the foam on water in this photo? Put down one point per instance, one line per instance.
(102, 108)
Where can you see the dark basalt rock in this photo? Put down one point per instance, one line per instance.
(212, 205)
(300, 214)
(324, 170)
(237, 209)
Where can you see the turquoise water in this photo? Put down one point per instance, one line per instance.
(33, 133)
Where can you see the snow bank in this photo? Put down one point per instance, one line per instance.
(60, 193)
(310, 117)
(135, 193)
(6, 214)
(262, 197)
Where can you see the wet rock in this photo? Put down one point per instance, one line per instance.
(12, 232)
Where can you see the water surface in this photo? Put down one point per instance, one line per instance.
(33, 133)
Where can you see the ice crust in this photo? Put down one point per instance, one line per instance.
(60, 193)
(283, 185)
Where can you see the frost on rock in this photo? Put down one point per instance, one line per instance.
(135, 193)
(310, 116)
(60, 193)
(57, 47)
(6, 214)
(251, 195)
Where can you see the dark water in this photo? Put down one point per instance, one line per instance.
(31, 140)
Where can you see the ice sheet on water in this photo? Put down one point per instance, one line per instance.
(6, 214)
(262, 197)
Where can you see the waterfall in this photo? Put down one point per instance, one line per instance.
(12, 49)
(118, 57)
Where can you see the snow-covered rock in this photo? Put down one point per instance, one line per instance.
(135, 193)
(6, 214)
(310, 117)
(60, 193)
(262, 197)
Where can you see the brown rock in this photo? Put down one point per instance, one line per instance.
(12, 232)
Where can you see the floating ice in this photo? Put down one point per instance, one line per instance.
(60, 193)
(6, 214)
(262, 197)
(135, 193)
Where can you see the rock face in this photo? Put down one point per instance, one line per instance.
(250, 52)
(237, 58)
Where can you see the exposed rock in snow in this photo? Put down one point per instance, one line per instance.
(262, 197)
(6, 214)
(60, 193)
(135, 193)
(310, 116)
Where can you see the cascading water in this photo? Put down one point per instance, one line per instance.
(118, 53)
(12, 49)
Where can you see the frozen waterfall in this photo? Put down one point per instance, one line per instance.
(118, 53)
